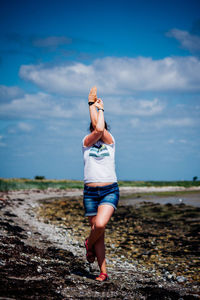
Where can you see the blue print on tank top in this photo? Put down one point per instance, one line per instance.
(99, 151)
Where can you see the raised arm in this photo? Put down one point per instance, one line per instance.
(92, 98)
(106, 137)
(96, 134)
(97, 120)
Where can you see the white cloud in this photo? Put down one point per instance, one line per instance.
(51, 41)
(183, 141)
(163, 124)
(148, 108)
(33, 106)
(11, 130)
(176, 122)
(135, 122)
(2, 144)
(171, 141)
(25, 126)
(114, 75)
(9, 92)
(131, 106)
(188, 41)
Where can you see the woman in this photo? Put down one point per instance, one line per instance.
(101, 192)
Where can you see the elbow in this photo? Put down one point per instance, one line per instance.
(99, 130)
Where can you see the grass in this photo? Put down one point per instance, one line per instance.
(157, 194)
(23, 183)
(183, 183)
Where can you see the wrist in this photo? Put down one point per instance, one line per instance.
(101, 109)
(90, 103)
(92, 99)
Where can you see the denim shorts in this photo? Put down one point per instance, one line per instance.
(93, 197)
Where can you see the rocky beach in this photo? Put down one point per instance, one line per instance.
(152, 248)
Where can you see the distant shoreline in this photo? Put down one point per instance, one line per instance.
(154, 190)
(9, 184)
(77, 192)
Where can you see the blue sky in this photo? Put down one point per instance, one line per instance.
(144, 58)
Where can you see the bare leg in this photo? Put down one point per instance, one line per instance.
(100, 253)
(96, 237)
(103, 216)
(99, 247)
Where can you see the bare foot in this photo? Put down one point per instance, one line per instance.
(93, 94)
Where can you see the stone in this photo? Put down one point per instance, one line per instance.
(181, 279)
(39, 269)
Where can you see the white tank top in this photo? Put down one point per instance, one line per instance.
(99, 162)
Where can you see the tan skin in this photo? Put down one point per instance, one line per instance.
(104, 213)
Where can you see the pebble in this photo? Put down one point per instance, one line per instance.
(39, 269)
(181, 279)
(170, 276)
(2, 263)
(142, 251)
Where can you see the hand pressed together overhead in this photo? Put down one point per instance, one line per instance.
(99, 104)
(93, 94)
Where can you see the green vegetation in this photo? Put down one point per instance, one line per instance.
(23, 183)
(195, 178)
(183, 183)
(156, 194)
(38, 177)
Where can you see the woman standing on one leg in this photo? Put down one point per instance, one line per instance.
(101, 192)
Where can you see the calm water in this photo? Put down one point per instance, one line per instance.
(189, 199)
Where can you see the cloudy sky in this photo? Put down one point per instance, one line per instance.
(144, 58)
